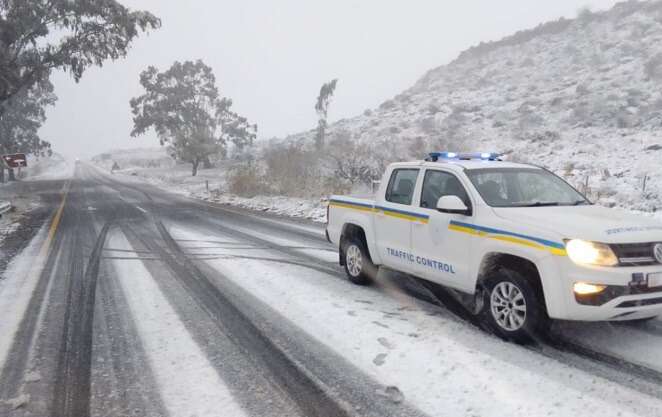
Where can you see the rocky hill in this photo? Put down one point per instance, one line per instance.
(582, 97)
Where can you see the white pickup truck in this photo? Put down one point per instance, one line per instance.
(518, 243)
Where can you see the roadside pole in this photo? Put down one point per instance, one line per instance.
(2, 170)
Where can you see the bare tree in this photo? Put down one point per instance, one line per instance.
(350, 161)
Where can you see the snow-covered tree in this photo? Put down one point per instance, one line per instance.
(21, 118)
(37, 36)
(184, 107)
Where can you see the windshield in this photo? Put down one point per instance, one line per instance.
(523, 187)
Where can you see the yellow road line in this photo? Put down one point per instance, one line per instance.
(54, 224)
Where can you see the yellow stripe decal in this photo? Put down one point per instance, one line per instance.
(352, 207)
(413, 217)
(505, 238)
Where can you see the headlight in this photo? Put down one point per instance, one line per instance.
(590, 253)
(582, 288)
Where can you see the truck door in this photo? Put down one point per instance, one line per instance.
(393, 219)
(443, 255)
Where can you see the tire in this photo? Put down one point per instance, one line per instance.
(357, 261)
(512, 309)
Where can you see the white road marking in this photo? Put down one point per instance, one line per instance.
(189, 384)
(141, 209)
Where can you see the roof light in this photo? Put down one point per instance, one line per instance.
(485, 156)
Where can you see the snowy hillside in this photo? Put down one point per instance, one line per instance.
(582, 97)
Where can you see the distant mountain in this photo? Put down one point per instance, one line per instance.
(581, 96)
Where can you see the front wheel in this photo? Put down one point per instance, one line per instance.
(357, 262)
(512, 308)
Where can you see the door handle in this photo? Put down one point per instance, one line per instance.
(380, 213)
(418, 223)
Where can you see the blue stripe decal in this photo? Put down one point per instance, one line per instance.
(504, 232)
(407, 213)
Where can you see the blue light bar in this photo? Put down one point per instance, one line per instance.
(464, 156)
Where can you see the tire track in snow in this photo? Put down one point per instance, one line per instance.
(123, 381)
(248, 380)
(72, 382)
(594, 359)
(442, 297)
(311, 394)
(344, 382)
(187, 382)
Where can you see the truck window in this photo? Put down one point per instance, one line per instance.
(401, 186)
(438, 184)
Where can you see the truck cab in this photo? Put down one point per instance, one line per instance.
(517, 241)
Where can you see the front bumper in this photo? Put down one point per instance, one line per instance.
(625, 298)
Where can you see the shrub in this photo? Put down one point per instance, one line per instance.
(349, 161)
(291, 169)
(245, 180)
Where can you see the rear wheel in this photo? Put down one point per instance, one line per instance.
(357, 262)
(512, 308)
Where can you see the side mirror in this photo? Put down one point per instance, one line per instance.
(452, 204)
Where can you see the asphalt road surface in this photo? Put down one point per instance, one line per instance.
(81, 344)
(120, 299)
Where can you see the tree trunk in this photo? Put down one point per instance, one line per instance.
(2, 174)
(196, 162)
(12, 177)
(206, 163)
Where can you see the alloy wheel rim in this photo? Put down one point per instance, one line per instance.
(508, 306)
(354, 260)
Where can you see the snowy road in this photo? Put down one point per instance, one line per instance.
(133, 301)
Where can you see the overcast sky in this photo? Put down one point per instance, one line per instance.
(271, 57)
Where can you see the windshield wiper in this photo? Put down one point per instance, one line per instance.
(541, 204)
(580, 203)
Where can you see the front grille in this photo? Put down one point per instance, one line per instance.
(635, 254)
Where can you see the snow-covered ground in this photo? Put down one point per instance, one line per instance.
(24, 201)
(189, 384)
(209, 185)
(16, 288)
(424, 355)
(152, 165)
